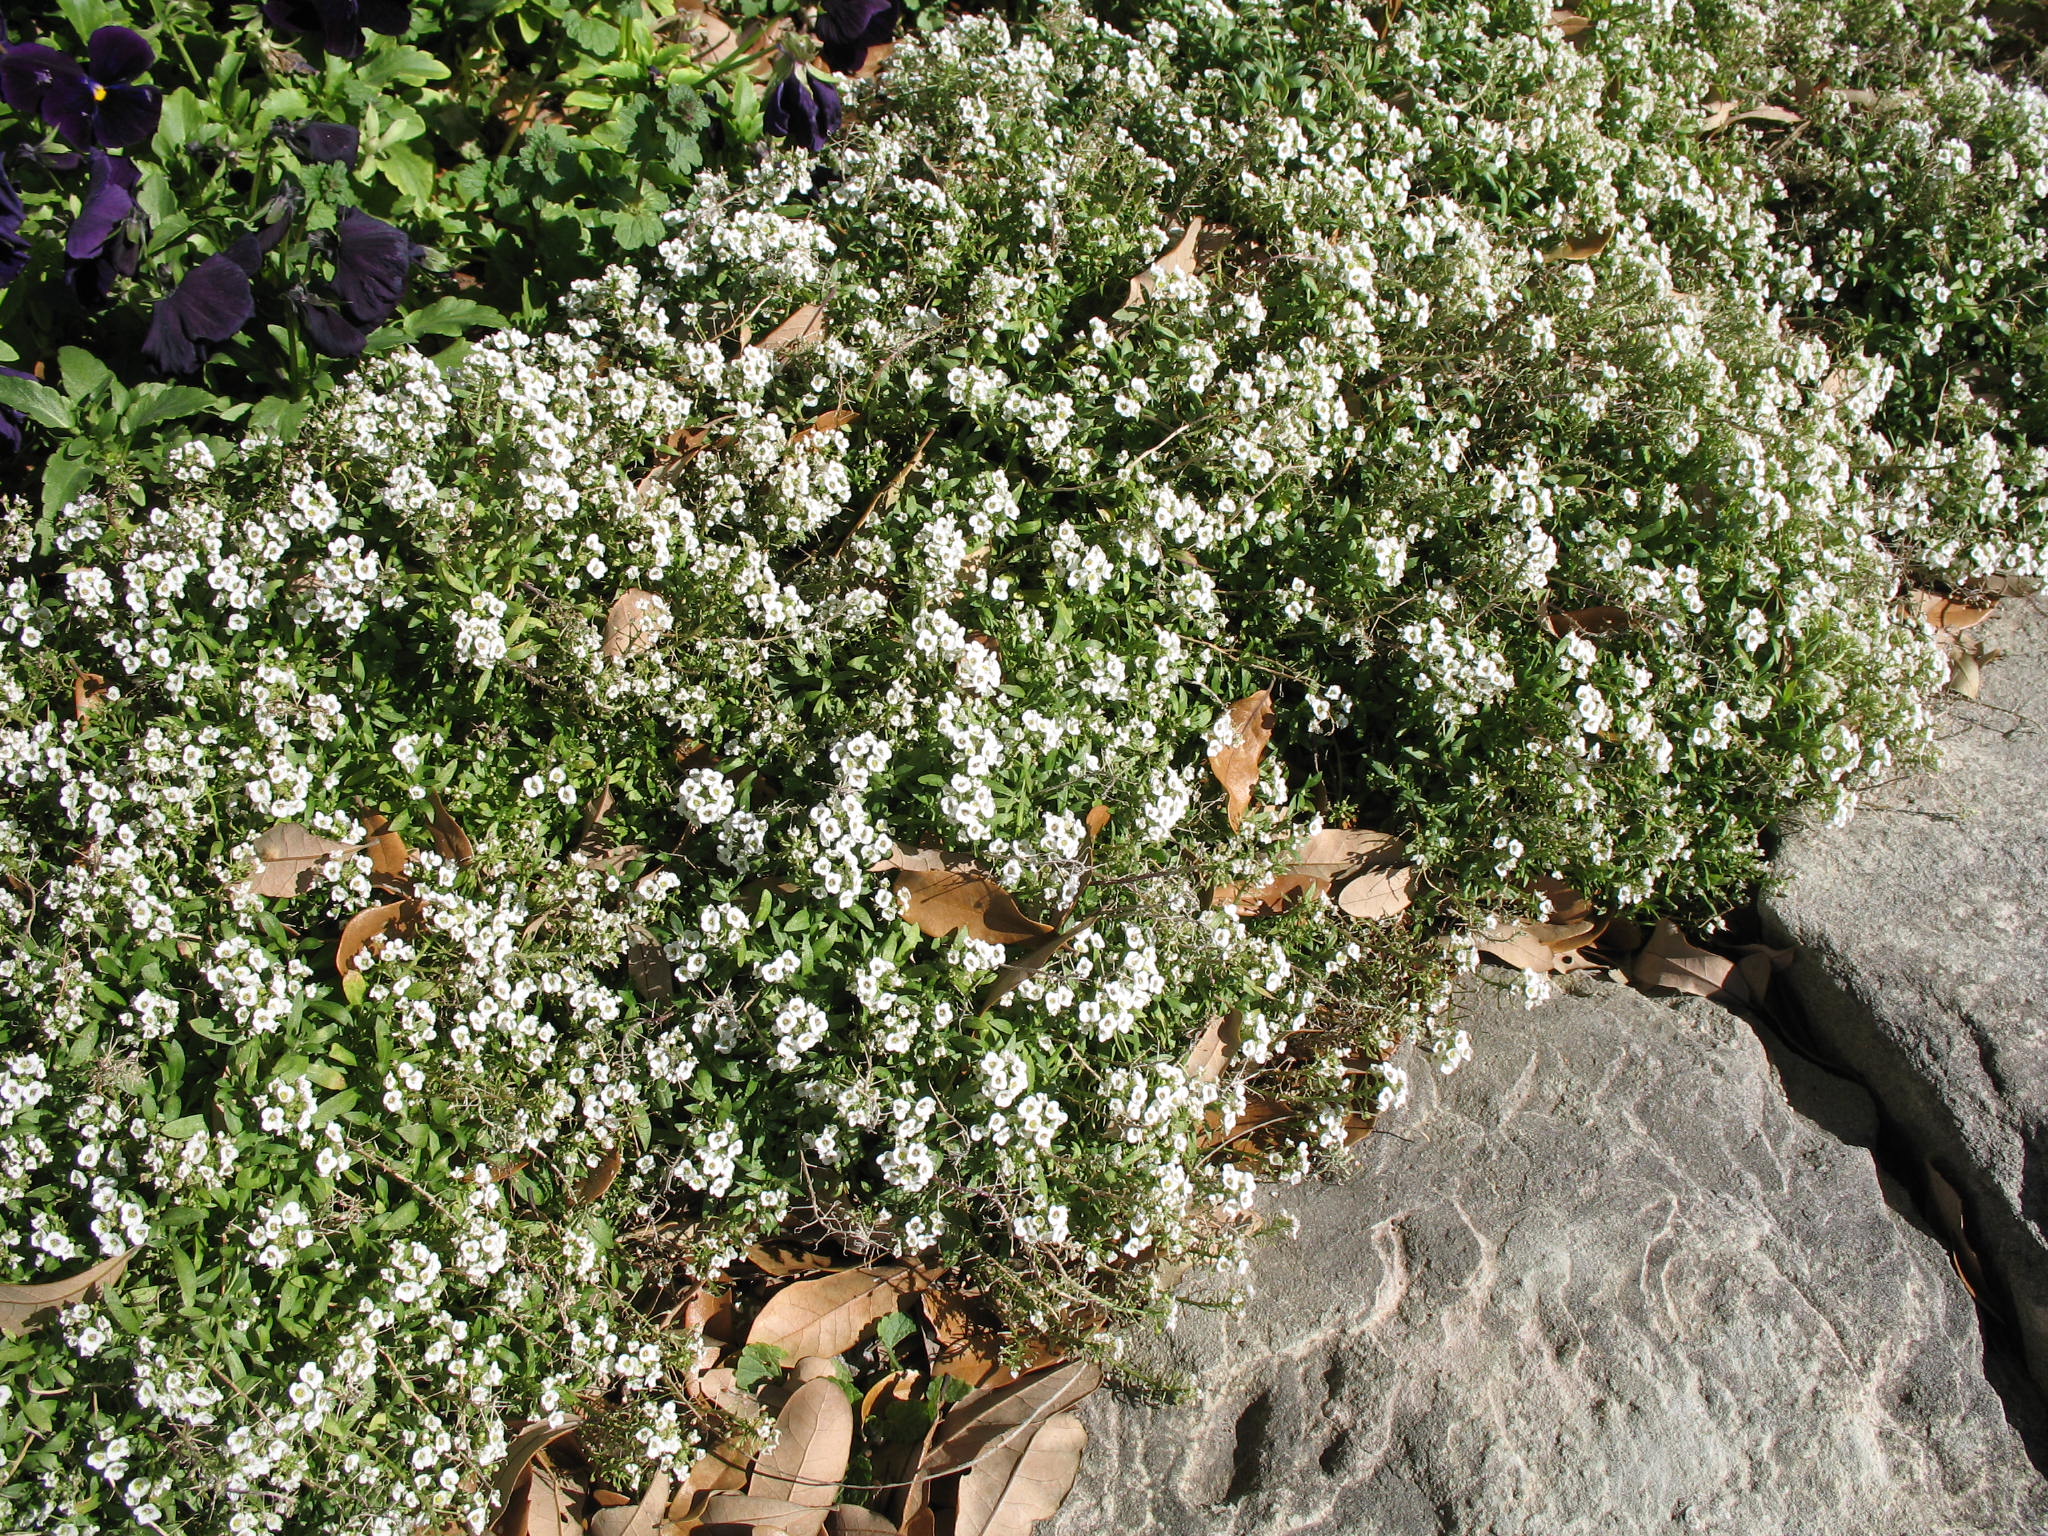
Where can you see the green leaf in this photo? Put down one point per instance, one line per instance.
(592, 34)
(401, 64)
(166, 402)
(409, 171)
(894, 1329)
(355, 986)
(183, 1128)
(182, 123)
(757, 1363)
(38, 402)
(80, 372)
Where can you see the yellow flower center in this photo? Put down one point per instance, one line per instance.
(99, 92)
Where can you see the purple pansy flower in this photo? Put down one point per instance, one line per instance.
(213, 303)
(98, 250)
(330, 331)
(13, 249)
(339, 23)
(325, 143)
(371, 259)
(802, 109)
(847, 29)
(90, 104)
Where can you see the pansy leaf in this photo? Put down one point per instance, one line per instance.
(67, 473)
(36, 401)
(400, 64)
(80, 372)
(165, 402)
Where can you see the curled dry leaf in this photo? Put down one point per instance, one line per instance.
(1784, 117)
(1096, 820)
(1965, 675)
(1569, 23)
(720, 1386)
(589, 830)
(634, 624)
(1212, 1051)
(1328, 856)
(387, 850)
(290, 859)
(1670, 960)
(722, 1469)
(801, 329)
(1537, 946)
(22, 1306)
(1572, 249)
(1237, 766)
(992, 1416)
(512, 1475)
(855, 1520)
(600, 1178)
(1376, 894)
(783, 1259)
(1588, 621)
(645, 1518)
(1717, 115)
(813, 1442)
(1948, 615)
(1023, 1481)
(649, 970)
(541, 1506)
(450, 841)
(366, 930)
(824, 421)
(1030, 963)
(88, 693)
(830, 1315)
(743, 1509)
(1180, 257)
(942, 892)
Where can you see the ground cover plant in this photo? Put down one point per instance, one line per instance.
(950, 714)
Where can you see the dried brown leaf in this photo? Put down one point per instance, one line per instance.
(1376, 894)
(830, 1315)
(22, 1306)
(813, 1442)
(1180, 257)
(510, 1479)
(1029, 964)
(1237, 766)
(1096, 820)
(801, 329)
(824, 421)
(366, 930)
(965, 897)
(993, 1416)
(1782, 116)
(1965, 675)
(1538, 946)
(88, 693)
(1566, 904)
(1574, 249)
(783, 1259)
(450, 841)
(634, 624)
(1671, 960)
(642, 1519)
(1718, 114)
(1328, 856)
(1569, 23)
(589, 842)
(290, 859)
(649, 970)
(854, 1520)
(387, 850)
(1212, 1051)
(1588, 621)
(1022, 1482)
(600, 1178)
(763, 1514)
(720, 1385)
(722, 1469)
(550, 1508)
(1948, 615)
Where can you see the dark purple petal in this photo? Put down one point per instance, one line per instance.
(117, 54)
(211, 304)
(68, 107)
(12, 214)
(14, 255)
(128, 115)
(331, 332)
(371, 259)
(109, 200)
(326, 143)
(246, 254)
(292, 15)
(847, 29)
(93, 279)
(391, 17)
(802, 109)
(27, 70)
(278, 220)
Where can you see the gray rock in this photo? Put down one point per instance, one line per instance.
(1602, 1280)
(1923, 926)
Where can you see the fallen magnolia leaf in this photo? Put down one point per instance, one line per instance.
(634, 624)
(366, 930)
(1537, 946)
(290, 859)
(783, 1259)
(801, 329)
(1328, 856)
(960, 1334)
(22, 1305)
(387, 850)
(1948, 615)
(1376, 894)
(600, 1178)
(1783, 116)
(1030, 963)
(1672, 961)
(590, 837)
(643, 1519)
(742, 1509)
(511, 1476)
(1023, 1481)
(1564, 905)
(88, 693)
(1965, 675)
(1570, 249)
(1237, 766)
(813, 1443)
(1588, 621)
(722, 1469)
(720, 1386)
(1096, 820)
(992, 1416)
(648, 969)
(1213, 1049)
(824, 421)
(450, 841)
(830, 1315)
(1569, 23)
(1180, 257)
(542, 1507)
(854, 1520)
(1718, 114)
(942, 892)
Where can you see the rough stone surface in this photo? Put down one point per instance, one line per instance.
(1602, 1280)
(1923, 926)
